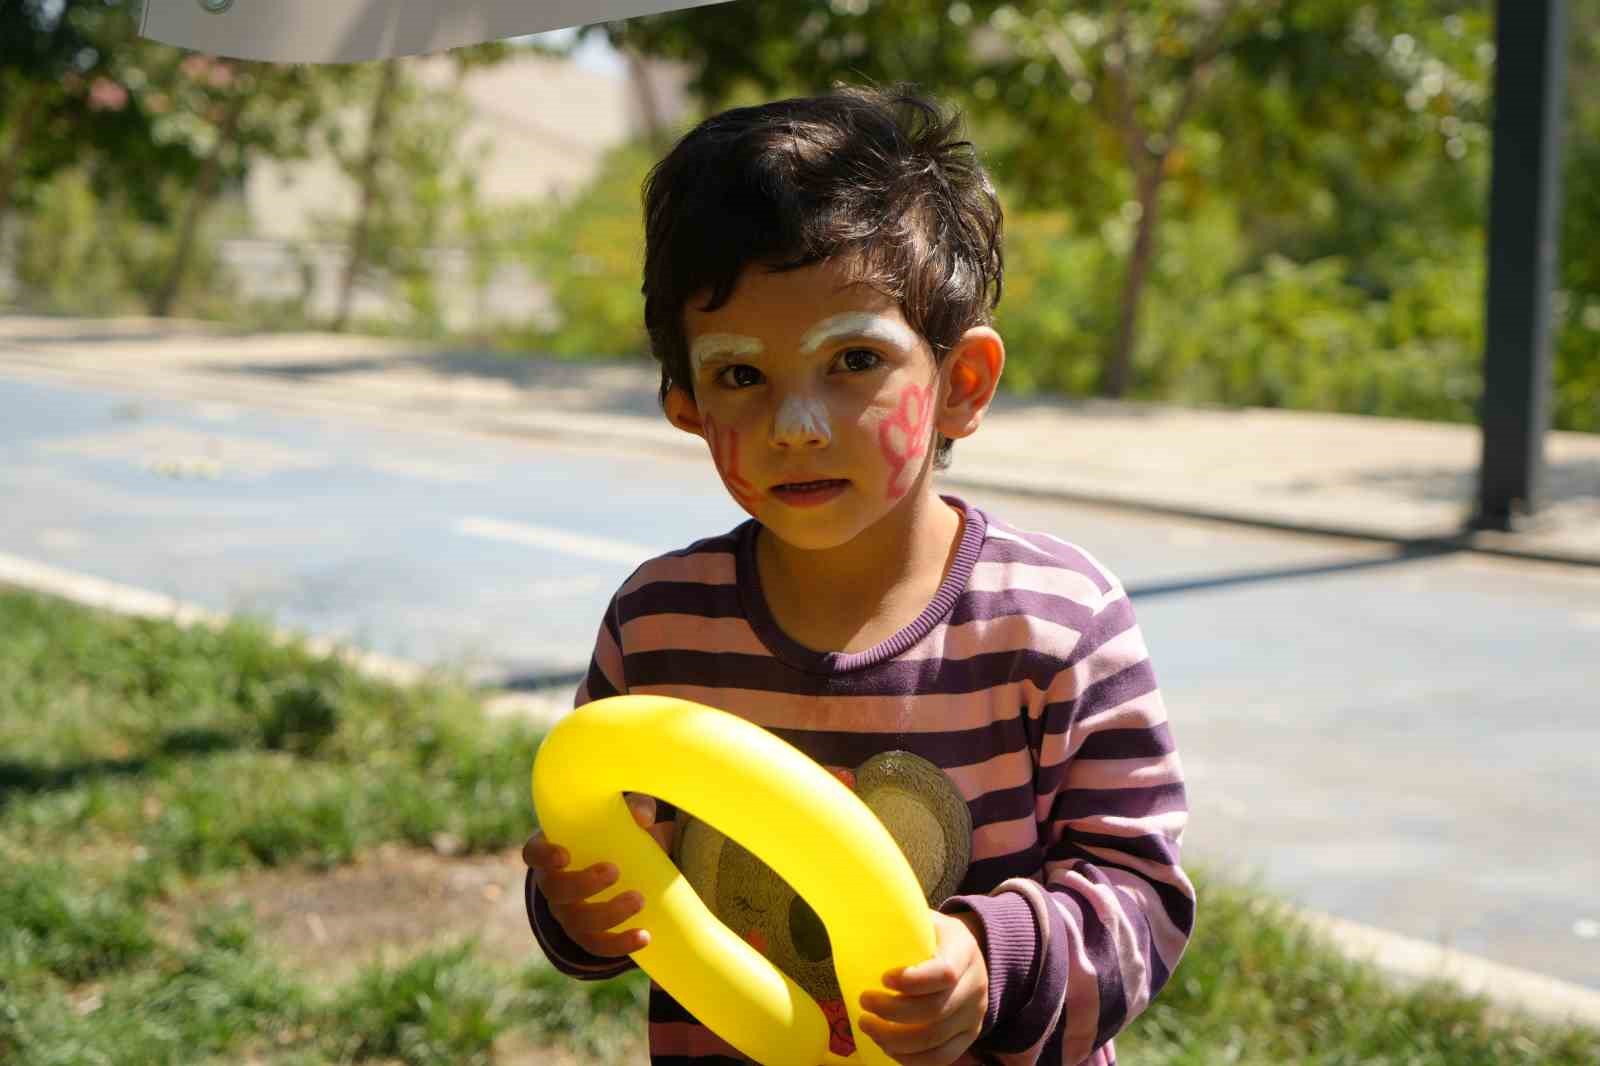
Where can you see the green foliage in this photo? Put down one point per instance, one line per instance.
(589, 252)
(597, 1018)
(57, 921)
(81, 253)
(300, 717)
(438, 1010)
(211, 749)
(741, 52)
(1301, 336)
(1058, 305)
(1577, 325)
(425, 192)
(1258, 987)
(1326, 190)
(1323, 203)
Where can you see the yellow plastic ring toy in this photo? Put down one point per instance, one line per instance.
(775, 801)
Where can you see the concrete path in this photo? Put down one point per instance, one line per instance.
(1389, 479)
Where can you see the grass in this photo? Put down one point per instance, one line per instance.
(141, 761)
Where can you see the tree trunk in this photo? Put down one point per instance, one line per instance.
(377, 131)
(199, 199)
(21, 135)
(649, 101)
(1119, 360)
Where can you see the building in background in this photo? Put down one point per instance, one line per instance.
(544, 122)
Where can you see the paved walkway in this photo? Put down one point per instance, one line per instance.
(1341, 474)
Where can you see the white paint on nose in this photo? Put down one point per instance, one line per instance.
(802, 418)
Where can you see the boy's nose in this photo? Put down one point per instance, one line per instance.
(801, 421)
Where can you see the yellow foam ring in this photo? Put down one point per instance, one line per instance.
(774, 800)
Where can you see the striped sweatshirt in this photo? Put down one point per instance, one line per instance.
(1026, 681)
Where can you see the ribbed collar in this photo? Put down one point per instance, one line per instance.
(787, 650)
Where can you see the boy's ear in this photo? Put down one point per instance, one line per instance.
(972, 373)
(683, 412)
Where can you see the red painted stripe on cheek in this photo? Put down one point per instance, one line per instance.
(724, 442)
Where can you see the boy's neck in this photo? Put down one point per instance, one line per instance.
(879, 581)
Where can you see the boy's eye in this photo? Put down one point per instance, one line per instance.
(740, 375)
(859, 359)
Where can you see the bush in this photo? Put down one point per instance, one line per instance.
(1216, 328)
(77, 255)
(589, 252)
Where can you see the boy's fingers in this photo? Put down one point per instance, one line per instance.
(924, 978)
(565, 888)
(595, 918)
(908, 1010)
(919, 1042)
(613, 945)
(539, 852)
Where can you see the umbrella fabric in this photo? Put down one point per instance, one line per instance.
(346, 31)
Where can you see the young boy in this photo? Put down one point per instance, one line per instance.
(819, 275)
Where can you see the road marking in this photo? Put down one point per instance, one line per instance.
(557, 540)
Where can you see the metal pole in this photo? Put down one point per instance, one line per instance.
(1525, 202)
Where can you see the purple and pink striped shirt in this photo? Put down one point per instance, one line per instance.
(1027, 681)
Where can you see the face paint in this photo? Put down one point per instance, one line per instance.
(858, 325)
(903, 436)
(803, 419)
(712, 345)
(724, 442)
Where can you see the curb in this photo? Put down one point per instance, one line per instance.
(1405, 959)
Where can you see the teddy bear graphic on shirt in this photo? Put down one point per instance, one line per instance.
(920, 807)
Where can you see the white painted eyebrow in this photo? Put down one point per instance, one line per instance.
(711, 345)
(862, 324)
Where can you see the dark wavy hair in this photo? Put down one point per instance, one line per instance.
(880, 180)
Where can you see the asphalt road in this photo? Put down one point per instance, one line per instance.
(1408, 742)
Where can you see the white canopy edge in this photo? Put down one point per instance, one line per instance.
(348, 31)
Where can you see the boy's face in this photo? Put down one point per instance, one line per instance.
(818, 401)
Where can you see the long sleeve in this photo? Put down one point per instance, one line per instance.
(1081, 948)
(604, 678)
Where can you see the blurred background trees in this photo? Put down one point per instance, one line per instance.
(1271, 202)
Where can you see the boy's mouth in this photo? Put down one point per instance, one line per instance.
(807, 493)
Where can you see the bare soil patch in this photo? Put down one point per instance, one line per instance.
(388, 906)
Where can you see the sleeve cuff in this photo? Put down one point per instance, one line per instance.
(1010, 950)
(564, 953)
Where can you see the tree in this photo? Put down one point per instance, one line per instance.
(56, 100)
(1276, 81)
(226, 112)
(366, 173)
(1274, 101)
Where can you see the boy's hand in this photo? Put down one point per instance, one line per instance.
(567, 891)
(935, 1009)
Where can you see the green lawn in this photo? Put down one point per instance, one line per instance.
(141, 763)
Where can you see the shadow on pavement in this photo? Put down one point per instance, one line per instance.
(1410, 552)
(621, 386)
(536, 682)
